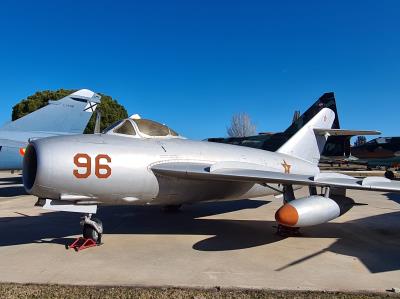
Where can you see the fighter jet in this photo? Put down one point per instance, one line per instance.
(141, 162)
(69, 115)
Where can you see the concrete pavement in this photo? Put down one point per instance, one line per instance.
(228, 244)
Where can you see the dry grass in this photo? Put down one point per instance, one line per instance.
(64, 291)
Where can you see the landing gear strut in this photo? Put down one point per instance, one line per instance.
(92, 228)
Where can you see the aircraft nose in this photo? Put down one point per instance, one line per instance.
(37, 170)
(287, 215)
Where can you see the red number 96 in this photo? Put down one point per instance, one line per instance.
(84, 164)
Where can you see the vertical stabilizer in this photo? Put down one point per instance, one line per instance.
(327, 100)
(306, 144)
(69, 115)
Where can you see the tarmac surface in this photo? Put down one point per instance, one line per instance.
(227, 244)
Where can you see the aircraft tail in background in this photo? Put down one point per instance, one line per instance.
(327, 100)
(308, 143)
(69, 115)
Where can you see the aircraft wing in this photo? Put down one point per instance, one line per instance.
(245, 174)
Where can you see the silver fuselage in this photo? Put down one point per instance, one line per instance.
(133, 182)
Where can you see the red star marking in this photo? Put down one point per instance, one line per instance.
(286, 166)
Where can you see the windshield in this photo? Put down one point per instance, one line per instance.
(111, 127)
(126, 128)
(152, 128)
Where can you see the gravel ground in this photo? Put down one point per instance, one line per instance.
(64, 291)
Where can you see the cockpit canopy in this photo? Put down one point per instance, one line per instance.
(141, 128)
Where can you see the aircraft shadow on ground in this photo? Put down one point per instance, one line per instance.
(394, 197)
(12, 191)
(140, 220)
(375, 240)
(11, 187)
(11, 180)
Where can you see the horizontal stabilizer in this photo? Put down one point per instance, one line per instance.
(340, 132)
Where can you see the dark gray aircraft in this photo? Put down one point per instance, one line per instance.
(377, 153)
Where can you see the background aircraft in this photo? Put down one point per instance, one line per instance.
(69, 115)
(379, 152)
(337, 148)
(141, 162)
(335, 145)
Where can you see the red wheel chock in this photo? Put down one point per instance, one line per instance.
(81, 244)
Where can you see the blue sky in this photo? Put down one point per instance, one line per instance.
(192, 64)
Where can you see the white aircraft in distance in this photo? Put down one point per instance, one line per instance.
(69, 115)
(141, 162)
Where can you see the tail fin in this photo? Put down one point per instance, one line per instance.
(68, 115)
(275, 141)
(327, 100)
(308, 144)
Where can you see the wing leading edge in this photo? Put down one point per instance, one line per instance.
(210, 172)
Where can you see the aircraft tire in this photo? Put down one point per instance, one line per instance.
(90, 233)
(389, 174)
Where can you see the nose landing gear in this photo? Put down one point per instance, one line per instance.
(92, 233)
(92, 228)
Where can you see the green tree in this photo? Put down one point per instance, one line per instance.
(111, 110)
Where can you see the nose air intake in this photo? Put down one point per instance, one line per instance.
(30, 167)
